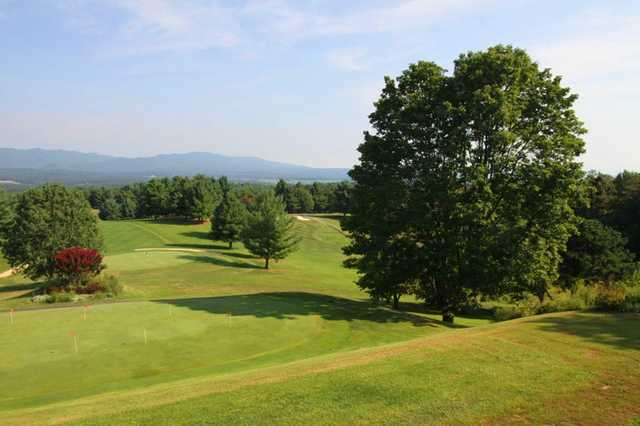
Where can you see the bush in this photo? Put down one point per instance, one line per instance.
(611, 297)
(61, 297)
(111, 285)
(76, 265)
(632, 300)
(91, 288)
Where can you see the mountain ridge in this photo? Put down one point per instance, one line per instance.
(186, 164)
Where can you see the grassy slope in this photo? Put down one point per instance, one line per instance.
(559, 368)
(206, 313)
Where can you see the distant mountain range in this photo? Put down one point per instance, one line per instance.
(35, 166)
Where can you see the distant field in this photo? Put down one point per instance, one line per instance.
(299, 344)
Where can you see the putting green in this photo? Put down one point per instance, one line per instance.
(184, 338)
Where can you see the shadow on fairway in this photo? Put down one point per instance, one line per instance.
(19, 287)
(619, 330)
(239, 255)
(220, 262)
(476, 313)
(199, 246)
(290, 305)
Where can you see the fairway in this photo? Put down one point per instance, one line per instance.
(203, 331)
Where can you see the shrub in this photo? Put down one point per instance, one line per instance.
(76, 265)
(611, 297)
(112, 285)
(91, 288)
(61, 297)
(632, 300)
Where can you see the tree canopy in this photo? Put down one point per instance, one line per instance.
(49, 218)
(467, 176)
(596, 253)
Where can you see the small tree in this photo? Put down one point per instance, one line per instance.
(76, 265)
(229, 217)
(269, 230)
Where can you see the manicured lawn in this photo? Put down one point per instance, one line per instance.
(560, 368)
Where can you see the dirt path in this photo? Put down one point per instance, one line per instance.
(7, 274)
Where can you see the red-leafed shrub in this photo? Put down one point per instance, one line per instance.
(76, 265)
(91, 288)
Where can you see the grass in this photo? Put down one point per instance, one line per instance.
(4, 265)
(559, 368)
(229, 342)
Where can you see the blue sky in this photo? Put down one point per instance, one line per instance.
(284, 80)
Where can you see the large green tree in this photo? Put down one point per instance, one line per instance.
(48, 219)
(229, 217)
(269, 230)
(474, 171)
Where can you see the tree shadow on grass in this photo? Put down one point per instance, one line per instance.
(220, 262)
(240, 255)
(619, 330)
(284, 305)
(199, 246)
(19, 287)
(476, 313)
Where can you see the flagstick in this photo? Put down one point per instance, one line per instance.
(145, 336)
(84, 313)
(11, 316)
(75, 343)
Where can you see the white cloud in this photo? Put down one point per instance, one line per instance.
(294, 23)
(347, 59)
(169, 25)
(600, 60)
(148, 26)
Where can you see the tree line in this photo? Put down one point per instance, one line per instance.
(198, 197)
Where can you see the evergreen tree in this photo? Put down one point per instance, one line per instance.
(229, 217)
(269, 230)
(202, 198)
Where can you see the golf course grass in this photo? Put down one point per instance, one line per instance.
(204, 334)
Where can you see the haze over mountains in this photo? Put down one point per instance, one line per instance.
(34, 166)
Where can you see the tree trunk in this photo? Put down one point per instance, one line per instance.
(230, 244)
(447, 317)
(396, 301)
(266, 263)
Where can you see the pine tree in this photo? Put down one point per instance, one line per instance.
(269, 230)
(229, 217)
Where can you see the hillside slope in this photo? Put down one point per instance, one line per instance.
(566, 368)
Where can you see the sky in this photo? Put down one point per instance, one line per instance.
(286, 80)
